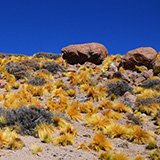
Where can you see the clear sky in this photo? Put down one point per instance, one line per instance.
(31, 26)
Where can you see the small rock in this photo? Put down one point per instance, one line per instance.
(113, 67)
(2, 83)
(123, 145)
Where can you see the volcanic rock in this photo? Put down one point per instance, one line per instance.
(141, 56)
(91, 52)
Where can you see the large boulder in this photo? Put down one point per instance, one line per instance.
(141, 56)
(81, 53)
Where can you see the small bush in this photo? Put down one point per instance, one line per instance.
(36, 81)
(150, 83)
(19, 70)
(52, 67)
(47, 55)
(27, 118)
(118, 88)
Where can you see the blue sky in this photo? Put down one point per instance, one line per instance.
(31, 26)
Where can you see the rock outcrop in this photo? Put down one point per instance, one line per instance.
(81, 53)
(141, 56)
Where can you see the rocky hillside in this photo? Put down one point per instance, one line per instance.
(81, 104)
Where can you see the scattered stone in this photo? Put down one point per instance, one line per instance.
(113, 67)
(3, 82)
(81, 53)
(141, 56)
(123, 145)
(90, 65)
(147, 74)
(134, 118)
(129, 100)
(121, 75)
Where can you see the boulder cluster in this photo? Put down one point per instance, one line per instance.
(96, 53)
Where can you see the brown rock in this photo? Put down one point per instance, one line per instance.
(141, 56)
(91, 52)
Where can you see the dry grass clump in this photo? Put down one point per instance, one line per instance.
(36, 148)
(54, 107)
(109, 59)
(9, 139)
(106, 104)
(82, 77)
(99, 142)
(139, 157)
(155, 155)
(58, 92)
(86, 107)
(149, 110)
(73, 111)
(84, 146)
(65, 139)
(44, 75)
(117, 131)
(138, 135)
(14, 100)
(71, 92)
(112, 114)
(120, 107)
(45, 131)
(145, 93)
(96, 122)
(68, 132)
(113, 156)
(34, 90)
(95, 93)
(131, 133)
(157, 131)
(60, 84)
(152, 144)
